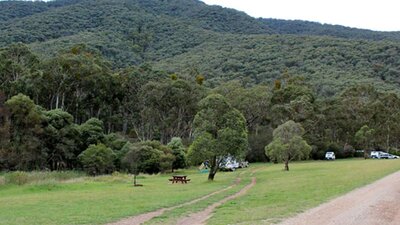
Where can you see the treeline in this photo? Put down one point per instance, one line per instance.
(62, 112)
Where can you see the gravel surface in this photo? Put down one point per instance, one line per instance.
(374, 204)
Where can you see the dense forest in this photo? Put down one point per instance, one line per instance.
(188, 36)
(109, 78)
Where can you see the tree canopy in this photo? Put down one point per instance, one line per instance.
(220, 131)
(288, 144)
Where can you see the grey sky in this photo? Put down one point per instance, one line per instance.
(382, 15)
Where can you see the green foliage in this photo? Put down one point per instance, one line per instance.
(149, 157)
(220, 130)
(364, 137)
(97, 159)
(25, 152)
(91, 132)
(17, 65)
(288, 144)
(61, 140)
(115, 141)
(224, 44)
(168, 109)
(299, 27)
(178, 150)
(262, 67)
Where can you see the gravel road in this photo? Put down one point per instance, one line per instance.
(374, 204)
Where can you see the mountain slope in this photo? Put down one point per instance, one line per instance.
(330, 64)
(125, 30)
(187, 35)
(298, 27)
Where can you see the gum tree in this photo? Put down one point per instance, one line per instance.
(219, 131)
(288, 144)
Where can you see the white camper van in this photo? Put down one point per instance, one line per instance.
(330, 156)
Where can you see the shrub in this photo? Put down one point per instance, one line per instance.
(394, 151)
(97, 159)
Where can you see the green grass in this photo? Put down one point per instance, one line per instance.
(277, 194)
(100, 200)
(280, 194)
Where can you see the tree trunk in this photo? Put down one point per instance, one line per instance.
(287, 165)
(213, 169)
(134, 180)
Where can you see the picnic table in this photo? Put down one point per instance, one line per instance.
(179, 178)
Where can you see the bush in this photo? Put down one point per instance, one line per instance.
(394, 151)
(97, 160)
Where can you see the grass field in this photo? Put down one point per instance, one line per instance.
(277, 194)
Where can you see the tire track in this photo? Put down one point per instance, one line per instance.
(142, 218)
(200, 218)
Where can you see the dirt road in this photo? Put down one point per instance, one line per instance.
(374, 204)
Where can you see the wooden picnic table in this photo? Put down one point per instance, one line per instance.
(179, 178)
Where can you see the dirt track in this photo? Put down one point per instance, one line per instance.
(142, 218)
(201, 217)
(374, 204)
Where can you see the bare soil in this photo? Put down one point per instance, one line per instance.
(374, 204)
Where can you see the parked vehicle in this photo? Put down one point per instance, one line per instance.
(330, 156)
(384, 155)
(393, 156)
(375, 154)
(228, 164)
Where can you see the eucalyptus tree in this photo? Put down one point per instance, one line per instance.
(17, 63)
(219, 131)
(288, 144)
(26, 129)
(61, 140)
(255, 105)
(365, 137)
(168, 109)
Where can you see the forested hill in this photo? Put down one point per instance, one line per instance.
(183, 36)
(299, 27)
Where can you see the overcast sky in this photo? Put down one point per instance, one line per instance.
(382, 15)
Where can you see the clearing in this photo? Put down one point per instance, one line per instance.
(274, 196)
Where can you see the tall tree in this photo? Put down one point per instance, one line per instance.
(26, 129)
(61, 140)
(169, 108)
(219, 131)
(288, 144)
(17, 63)
(364, 137)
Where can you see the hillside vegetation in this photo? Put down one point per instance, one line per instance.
(223, 44)
(111, 77)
